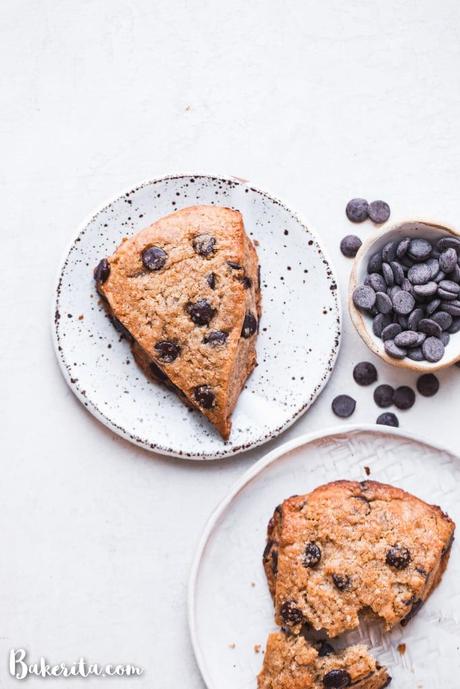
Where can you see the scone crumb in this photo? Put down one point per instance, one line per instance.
(257, 648)
(367, 470)
(81, 317)
(232, 645)
(253, 583)
(402, 648)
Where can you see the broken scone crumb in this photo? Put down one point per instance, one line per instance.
(257, 648)
(232, 645)
(402, 648)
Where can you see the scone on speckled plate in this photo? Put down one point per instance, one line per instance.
(291, 662)
(185, 291)
(348, 547)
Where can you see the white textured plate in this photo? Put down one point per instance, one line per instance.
(299, 334)
(229, 602)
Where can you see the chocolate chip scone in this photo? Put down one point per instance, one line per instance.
(186, 292)
(291, 662)
(352, 547)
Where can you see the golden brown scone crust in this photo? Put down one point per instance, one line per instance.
(358, 528)
(291, 662)
(152, 304)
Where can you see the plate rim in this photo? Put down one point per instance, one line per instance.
(124, 433)
(245, 479)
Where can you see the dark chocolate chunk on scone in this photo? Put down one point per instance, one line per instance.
(291, 662)
(349, 547)
(186, 292)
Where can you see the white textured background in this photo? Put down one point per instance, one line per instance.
(315, 101)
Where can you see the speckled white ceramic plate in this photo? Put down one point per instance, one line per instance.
(297, 345)
(229, 602)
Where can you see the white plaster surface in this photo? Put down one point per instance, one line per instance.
(315, 101)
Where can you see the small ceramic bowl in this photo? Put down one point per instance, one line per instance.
(363, 323)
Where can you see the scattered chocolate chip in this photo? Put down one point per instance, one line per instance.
(383, 396)
(388, 419)
(449, 286)
(416, 354)
(201, 312)
(389, 252)
(404, 397)
(249, 325)
(341, 581)
(375, 263)
(337, 679)
(376, 281)
(343, 406)
(350, 245)
(427, 290)
(290, 613)
(398, 272)
(365, 373)
(357, 210)
(102, 271)
(154, 258)
(215, 338)
(211, 280)
(204, 245)
(379, 211)
(443, 319)
(414, 318)
(364, 297)
(448, 243)
(419, 274)
(204, 396)
(428, 384)
(167, 351)
(388, 274)
(312, 555)
(403, 247)
(398, 557)
(433, 349)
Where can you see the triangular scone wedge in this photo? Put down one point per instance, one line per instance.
(291, 662)
(187, 291)
(352, 547)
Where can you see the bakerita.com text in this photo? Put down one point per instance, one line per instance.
(20, 667)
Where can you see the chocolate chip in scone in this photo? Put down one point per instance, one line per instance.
(312, 555)
(167, 351)
(120, 328)
(246, 282)
(102, 271)
(388, 419)
(350, 245)
(324, 648)
(234, 265)
(157, 372)
(343, 406)
(201, 312)
(357, 210)
(398, 557)
(341, 581)
(404, 397)
(204, 245)
(249, 325)
(417, 604)
(379, 211)
(274, 561)
(428, 384)
(365, 373)
(337, 679)
(267, 550)
(383, 396)
(154, 258)
(205, 396)
(290, 613)
(215, 338)
(211, 280)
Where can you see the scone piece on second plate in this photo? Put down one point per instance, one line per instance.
(350, 547)
(291, 662)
